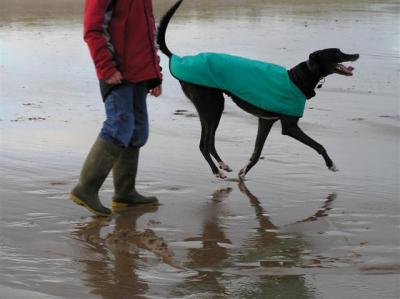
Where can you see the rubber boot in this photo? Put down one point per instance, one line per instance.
(124, 175)
(95, 170)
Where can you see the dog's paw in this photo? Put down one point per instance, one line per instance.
(221, 175)
(333, 168)
(242, 173)
(224, 166)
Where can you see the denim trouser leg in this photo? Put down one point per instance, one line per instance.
(127, 121)
(141, 131)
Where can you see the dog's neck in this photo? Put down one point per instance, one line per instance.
(306, 76)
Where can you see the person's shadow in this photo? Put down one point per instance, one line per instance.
(111, 253)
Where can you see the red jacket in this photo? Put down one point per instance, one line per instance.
(121, 37)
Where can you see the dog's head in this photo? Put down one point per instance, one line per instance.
(330, 61)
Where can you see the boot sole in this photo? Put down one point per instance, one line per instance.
(122, 205)
(80, 202)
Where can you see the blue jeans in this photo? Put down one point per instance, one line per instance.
(127, 122)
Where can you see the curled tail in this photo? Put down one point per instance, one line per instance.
(162, 28)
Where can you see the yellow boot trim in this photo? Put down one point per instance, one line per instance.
(120, 205)
(78, 201)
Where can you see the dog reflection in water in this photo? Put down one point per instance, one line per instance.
(217, 259)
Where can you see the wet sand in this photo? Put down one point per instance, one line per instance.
(292, 230)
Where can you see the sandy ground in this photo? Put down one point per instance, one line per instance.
(292, 230)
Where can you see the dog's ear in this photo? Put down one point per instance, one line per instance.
(313, 56)
(313, 65)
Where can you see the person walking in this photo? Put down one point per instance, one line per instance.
(120, 35)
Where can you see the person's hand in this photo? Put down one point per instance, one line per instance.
(115, 79)
(156, 91)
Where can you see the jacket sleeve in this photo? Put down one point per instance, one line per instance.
(95, 27)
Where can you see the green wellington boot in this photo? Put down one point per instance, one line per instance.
(95, 170)
(124, 175)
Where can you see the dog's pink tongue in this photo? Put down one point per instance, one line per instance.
(348, 70)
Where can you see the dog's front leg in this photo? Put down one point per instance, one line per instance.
(264, 127)
(290, 128)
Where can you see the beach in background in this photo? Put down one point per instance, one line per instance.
(293, 229)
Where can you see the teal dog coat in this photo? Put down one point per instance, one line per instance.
(264, 85)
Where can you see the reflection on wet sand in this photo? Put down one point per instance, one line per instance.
(218, 257)
(323, 211)
(210, 259)
(114, 254)
(267, 237)
(271, 251)
(111, 272)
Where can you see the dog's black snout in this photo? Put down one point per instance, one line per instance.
(354, 57)
(350, 57)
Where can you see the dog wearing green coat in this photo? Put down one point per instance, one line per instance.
(265, 90)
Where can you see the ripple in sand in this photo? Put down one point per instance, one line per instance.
(167, 229)
(53, 231)
(276, 263)
(285, 237)
(373, 249)
(175, 190)
(49, 193)
(247, 265)
(368, 216)
(43, 191)
(354, 222)
(335, 233)
(59, 196)
(188, 244)
(37, 216)
(58, 183)
(396, 117)
(22, 224)
(381, 265)
(237, 217)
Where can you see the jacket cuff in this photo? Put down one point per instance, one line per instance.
(106, 73)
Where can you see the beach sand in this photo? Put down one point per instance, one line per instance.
(293, 229)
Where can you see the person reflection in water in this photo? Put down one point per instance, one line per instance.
(111, 260)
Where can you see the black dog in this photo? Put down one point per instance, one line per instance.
(209, 102)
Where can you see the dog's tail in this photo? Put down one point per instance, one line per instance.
(162, 28)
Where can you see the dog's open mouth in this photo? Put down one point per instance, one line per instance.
(344, 70)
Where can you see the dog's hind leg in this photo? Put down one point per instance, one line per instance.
(205, 144)
(290, 128)
(209, 103)
(210, 120)
(204, 147)
(264, 127)
(219, 100)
